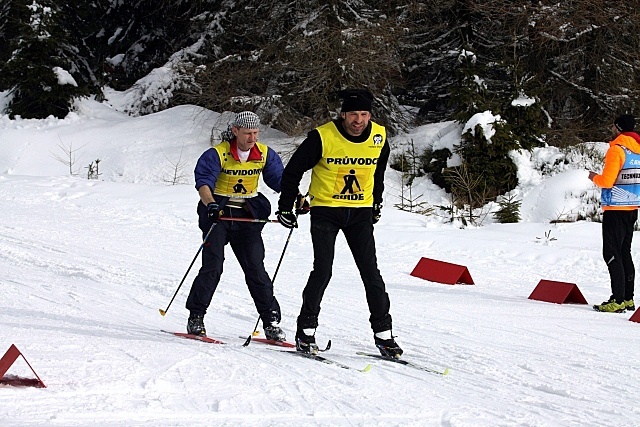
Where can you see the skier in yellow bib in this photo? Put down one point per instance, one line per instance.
(227, 181)
(348, 158)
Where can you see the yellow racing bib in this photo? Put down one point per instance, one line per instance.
(238, 179)
(344, 174)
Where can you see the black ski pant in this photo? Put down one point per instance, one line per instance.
(617, 233)
(246, 242)
(357, 227)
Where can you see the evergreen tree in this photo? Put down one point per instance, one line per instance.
(509, 211)
(471, 94)
(586, 64)
(38, 70)
(490, 81)
(139, 35)
(429, 50)
(527, 120)
(487, 156)
(478, 91)
(5, 31)
(290, 68)
(81, 28)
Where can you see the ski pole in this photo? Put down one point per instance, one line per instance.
(163, 312)
(255, 328)
(225, 218)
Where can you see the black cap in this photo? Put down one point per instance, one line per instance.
(625, 123)
(356, 100)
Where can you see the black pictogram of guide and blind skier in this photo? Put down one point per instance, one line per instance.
(239, 187)
(349, 180)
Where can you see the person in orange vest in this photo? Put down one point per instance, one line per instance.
(620, 198)
(348, 158)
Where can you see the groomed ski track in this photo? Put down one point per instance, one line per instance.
(87, 264)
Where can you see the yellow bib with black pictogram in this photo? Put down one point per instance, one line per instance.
(344, 175)
(238, 179)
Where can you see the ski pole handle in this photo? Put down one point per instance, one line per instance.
(225, 218)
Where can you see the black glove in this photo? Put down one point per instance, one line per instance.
(287, 219)
(377, 207)
(302, 205)
(214, 212)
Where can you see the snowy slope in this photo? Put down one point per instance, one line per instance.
(86, 264)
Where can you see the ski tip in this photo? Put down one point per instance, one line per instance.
(367, 368)
(446, 372)
(162, 312)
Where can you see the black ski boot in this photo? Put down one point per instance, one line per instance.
(387, 347)
(306, 343)
(274, 333)
(195, 325)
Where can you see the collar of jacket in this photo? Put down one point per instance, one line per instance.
(254, 153)
(633, 135)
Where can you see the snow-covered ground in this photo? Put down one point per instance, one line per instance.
(85, 265)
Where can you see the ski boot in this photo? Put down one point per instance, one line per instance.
(387, 346)
(195, 325)
(274, 333)
(306, 341)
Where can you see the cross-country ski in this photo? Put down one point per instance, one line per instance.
(404, 363)
(324, 360)
(272, 342)
(194, 337)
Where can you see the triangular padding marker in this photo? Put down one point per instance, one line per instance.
(442, 272)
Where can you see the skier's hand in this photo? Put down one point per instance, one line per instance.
(302, 205)
(287, 219)
(214, 212)
(377, 208)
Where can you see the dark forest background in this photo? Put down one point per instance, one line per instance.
(439, 60)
